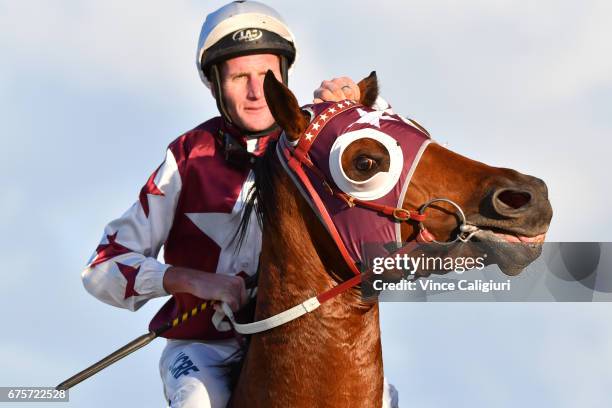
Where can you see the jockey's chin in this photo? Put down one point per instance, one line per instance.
(255, 119)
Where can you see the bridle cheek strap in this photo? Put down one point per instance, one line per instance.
(399, 214)
(296, 167)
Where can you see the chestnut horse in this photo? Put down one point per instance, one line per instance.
(332, 357)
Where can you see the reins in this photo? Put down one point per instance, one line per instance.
(294, 159)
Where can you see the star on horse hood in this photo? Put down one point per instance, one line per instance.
(373, 118)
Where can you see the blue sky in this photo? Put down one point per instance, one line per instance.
(92, 92)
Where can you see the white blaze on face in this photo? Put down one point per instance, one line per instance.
(379, 184)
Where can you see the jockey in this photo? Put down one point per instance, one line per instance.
(192, 204)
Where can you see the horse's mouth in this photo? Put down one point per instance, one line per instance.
(500, 235)
(512, 251)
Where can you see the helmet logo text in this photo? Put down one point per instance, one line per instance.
(249, 34)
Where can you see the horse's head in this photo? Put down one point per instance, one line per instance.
(507, 211)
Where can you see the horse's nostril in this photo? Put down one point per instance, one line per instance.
(514, 199)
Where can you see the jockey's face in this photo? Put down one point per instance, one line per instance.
(242, 83)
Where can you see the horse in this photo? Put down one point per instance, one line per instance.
(332, 356)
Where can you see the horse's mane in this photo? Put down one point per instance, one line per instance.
(261, 200)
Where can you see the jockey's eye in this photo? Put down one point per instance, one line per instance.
(365, 163)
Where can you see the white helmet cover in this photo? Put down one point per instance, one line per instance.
(235, 16)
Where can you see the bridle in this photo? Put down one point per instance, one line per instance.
(294, 156)
(466, 230)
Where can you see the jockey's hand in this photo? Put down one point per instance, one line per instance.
(338, 89)
(207, 286)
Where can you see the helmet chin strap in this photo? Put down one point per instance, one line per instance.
(215, 80)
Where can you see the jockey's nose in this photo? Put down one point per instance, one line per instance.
(255, 87)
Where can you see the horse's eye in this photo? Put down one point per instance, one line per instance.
(364, 163)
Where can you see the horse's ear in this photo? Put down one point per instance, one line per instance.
(284, 107)
(368, 89)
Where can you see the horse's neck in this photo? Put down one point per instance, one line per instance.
(330, 357)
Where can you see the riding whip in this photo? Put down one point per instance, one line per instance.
(129, 348)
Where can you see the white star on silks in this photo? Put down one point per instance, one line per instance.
(373, 118)
(332, 110)
(308, 136)
(221, 227)
(323, 117)
(316, 126)
(214, 226)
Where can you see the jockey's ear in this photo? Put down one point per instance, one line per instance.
(368, 89)
(284, 107)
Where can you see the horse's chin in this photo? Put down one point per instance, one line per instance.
(511, 252)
